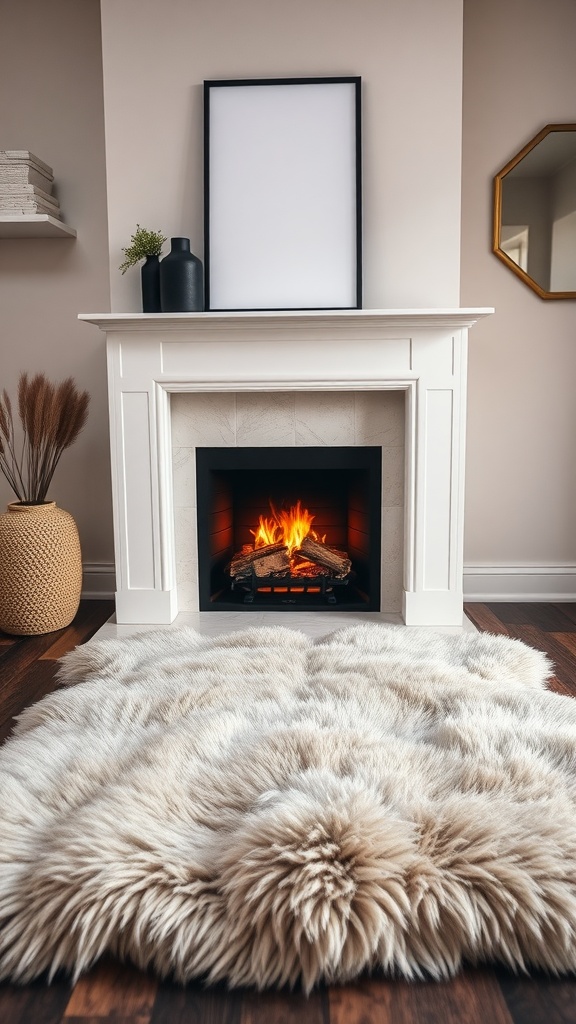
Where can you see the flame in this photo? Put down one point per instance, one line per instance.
(288, 526)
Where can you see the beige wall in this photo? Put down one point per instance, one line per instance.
(519, 74)
(51, 88)
(409, 54)
(521, 483)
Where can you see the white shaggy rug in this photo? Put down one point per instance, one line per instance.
(264, 809)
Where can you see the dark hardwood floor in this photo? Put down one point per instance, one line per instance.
(122, 995)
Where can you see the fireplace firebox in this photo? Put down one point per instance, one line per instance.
(289, 528)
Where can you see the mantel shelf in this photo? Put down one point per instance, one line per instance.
(260, 322)
(33, 225)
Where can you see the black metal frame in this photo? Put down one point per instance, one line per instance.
(223, 83)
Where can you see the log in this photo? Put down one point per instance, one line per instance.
(241, 564)
(276, 564)
(309, 570)
(337, 561)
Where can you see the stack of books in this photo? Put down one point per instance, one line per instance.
(26, 184)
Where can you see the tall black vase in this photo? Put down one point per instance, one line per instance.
(181, 279)
(150, 277)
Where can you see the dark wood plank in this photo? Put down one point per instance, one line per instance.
(366, 1001)
(27, 670)
(112, 990)
(285, 1008)
(511, 614)
(567, 642)
(551, 618)
(35, 683)
(195, 1004)
(539, 1000)
(106, 1020)
(473, 997)
(533, 613)
(91, 616)
(25, 651)
(19, 657)
(6, 645)
(564, 662)
(485, 619)
(37, 1003)
(567, 608)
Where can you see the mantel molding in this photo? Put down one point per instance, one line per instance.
(320, 321)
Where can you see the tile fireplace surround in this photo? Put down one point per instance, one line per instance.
(421, 352)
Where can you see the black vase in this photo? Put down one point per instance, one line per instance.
(181, 279)
(150, 277)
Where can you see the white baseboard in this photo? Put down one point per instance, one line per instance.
(99, 581)
(481, 582)
(520, 582)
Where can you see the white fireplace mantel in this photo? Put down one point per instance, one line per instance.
(422, 352)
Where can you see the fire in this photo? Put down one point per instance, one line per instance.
(288, 526)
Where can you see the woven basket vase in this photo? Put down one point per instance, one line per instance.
(40, 569)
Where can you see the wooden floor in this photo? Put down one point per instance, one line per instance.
(122, 995)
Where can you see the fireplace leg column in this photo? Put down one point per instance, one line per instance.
(434, 571)
(141, 489)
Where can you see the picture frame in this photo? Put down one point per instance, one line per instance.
(282, 194)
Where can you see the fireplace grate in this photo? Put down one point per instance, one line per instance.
(290, 589)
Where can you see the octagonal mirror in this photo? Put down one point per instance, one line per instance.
(535, 213)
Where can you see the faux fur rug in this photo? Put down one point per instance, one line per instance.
(264, 809)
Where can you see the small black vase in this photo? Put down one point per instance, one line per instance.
(150, 276)
(181, 279)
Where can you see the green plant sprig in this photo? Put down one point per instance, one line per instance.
(142, 244)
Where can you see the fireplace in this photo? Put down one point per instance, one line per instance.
(289, 528)
(419, 352)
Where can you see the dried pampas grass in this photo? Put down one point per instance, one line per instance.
(51, 417)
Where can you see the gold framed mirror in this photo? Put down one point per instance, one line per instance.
(534, 231)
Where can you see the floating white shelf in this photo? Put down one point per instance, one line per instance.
(33, 225)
